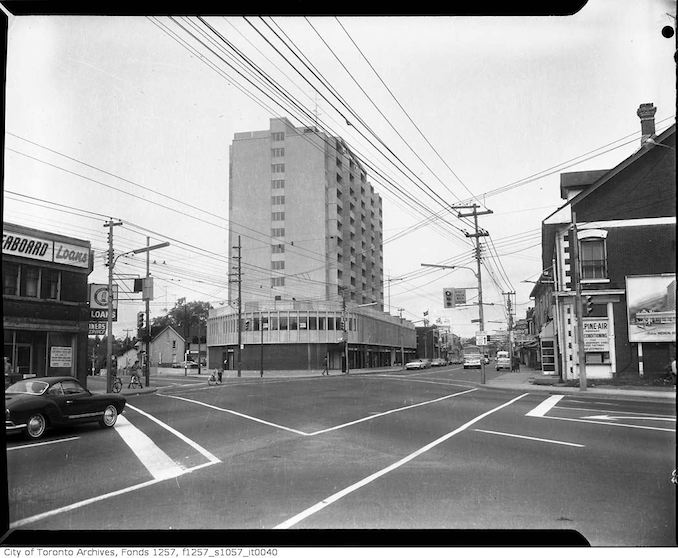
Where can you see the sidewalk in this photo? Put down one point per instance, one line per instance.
(529, 379)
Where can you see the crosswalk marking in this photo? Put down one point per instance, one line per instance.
(545, 406)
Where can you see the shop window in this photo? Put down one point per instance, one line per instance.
(330, 323)
(283, 322)
(30, 280)
(273, 323)
(321, 323)
(313, 323)
(73, 286)
(10, 278)
(49, 287)
(294, 323)
(598, 358)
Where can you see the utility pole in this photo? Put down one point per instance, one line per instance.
(147, 360)
(402, 342)
(477, 234)
(578, 310)
(239, 281)
(344, 333)
(509, 308)
(109, 331)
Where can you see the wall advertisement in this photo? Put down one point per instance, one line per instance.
(596, 335)
(651, 308)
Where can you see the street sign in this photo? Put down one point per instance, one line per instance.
(99, 315)
(453, 297)
(481, 338)
(97, 328)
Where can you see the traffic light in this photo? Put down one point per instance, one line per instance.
(589, 304)
(448, 298)
(140, 320)
(247, 325)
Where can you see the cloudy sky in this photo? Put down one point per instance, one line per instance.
(131, 118)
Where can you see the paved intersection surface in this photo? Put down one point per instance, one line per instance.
(425, 449)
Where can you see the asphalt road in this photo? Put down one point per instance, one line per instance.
(417, 450)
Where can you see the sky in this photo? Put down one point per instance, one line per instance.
(130, 118)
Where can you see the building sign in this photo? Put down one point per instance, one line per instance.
(481, 338)
(97, 328)
(651, 308)
(36, 248)
(96, 315)
(596, 335)
(60, 357)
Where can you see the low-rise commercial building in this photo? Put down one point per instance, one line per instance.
(45, 302)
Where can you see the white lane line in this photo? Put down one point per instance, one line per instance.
(334, 497)
(36, 444)
(529, 438)
(545, 406)
(317, 432)
(242, 415)
(211, 457)
(158, 463)
(82, 503)
(612, 424)
(407, 379)
(391, 411)
(640, 415)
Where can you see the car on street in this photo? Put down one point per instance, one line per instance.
(34, 405)
(472, 360)
(185, 364)
(503, 360)
(438, 362)
(419, 363)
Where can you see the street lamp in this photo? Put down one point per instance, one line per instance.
(109, 355)
(481, 316)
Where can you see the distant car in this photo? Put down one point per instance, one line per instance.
(438, 362)
(185, 364)
(417, 364)
(503, 360)
(32, 406)
(456, 360)
(486, 359)
(472, 360)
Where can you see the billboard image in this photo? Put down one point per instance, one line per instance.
(651, 308)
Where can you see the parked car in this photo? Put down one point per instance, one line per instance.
(438, 362)
(417, 364)
(32, 406)
(503, 360)
(185, 364)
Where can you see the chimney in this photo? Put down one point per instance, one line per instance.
(646, 113)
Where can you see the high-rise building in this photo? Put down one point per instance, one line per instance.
(309, 227)
(310, 224)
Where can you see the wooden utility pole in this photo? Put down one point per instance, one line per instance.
(578, 310)
(477, 234)
(402, 341)
(239, 281)
(109, 326)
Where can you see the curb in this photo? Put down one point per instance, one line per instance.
(552, 390)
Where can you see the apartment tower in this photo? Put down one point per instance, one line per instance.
(310, 224)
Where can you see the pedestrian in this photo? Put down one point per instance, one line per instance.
(326, 371)
(220, 372)
(515, 363)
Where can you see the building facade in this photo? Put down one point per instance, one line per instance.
(166, 348)
(309, 195)
(625, 233)
(45, 302)
(309, 278)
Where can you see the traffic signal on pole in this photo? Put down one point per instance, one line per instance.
(140, 320)
(247, 325)
(589, 304)
(448, 298)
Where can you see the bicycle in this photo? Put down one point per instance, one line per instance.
(135, 381)
(116, 383)
(213, 379)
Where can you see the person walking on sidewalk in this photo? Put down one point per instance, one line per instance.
(326, 371)
(515, 363)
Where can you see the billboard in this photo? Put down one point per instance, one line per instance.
(651, 308)
(596, 335)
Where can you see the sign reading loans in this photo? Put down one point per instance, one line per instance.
(651, 308)
(44, 249)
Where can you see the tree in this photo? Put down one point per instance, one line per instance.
(188, 318)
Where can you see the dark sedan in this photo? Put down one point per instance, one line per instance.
(32, 406)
